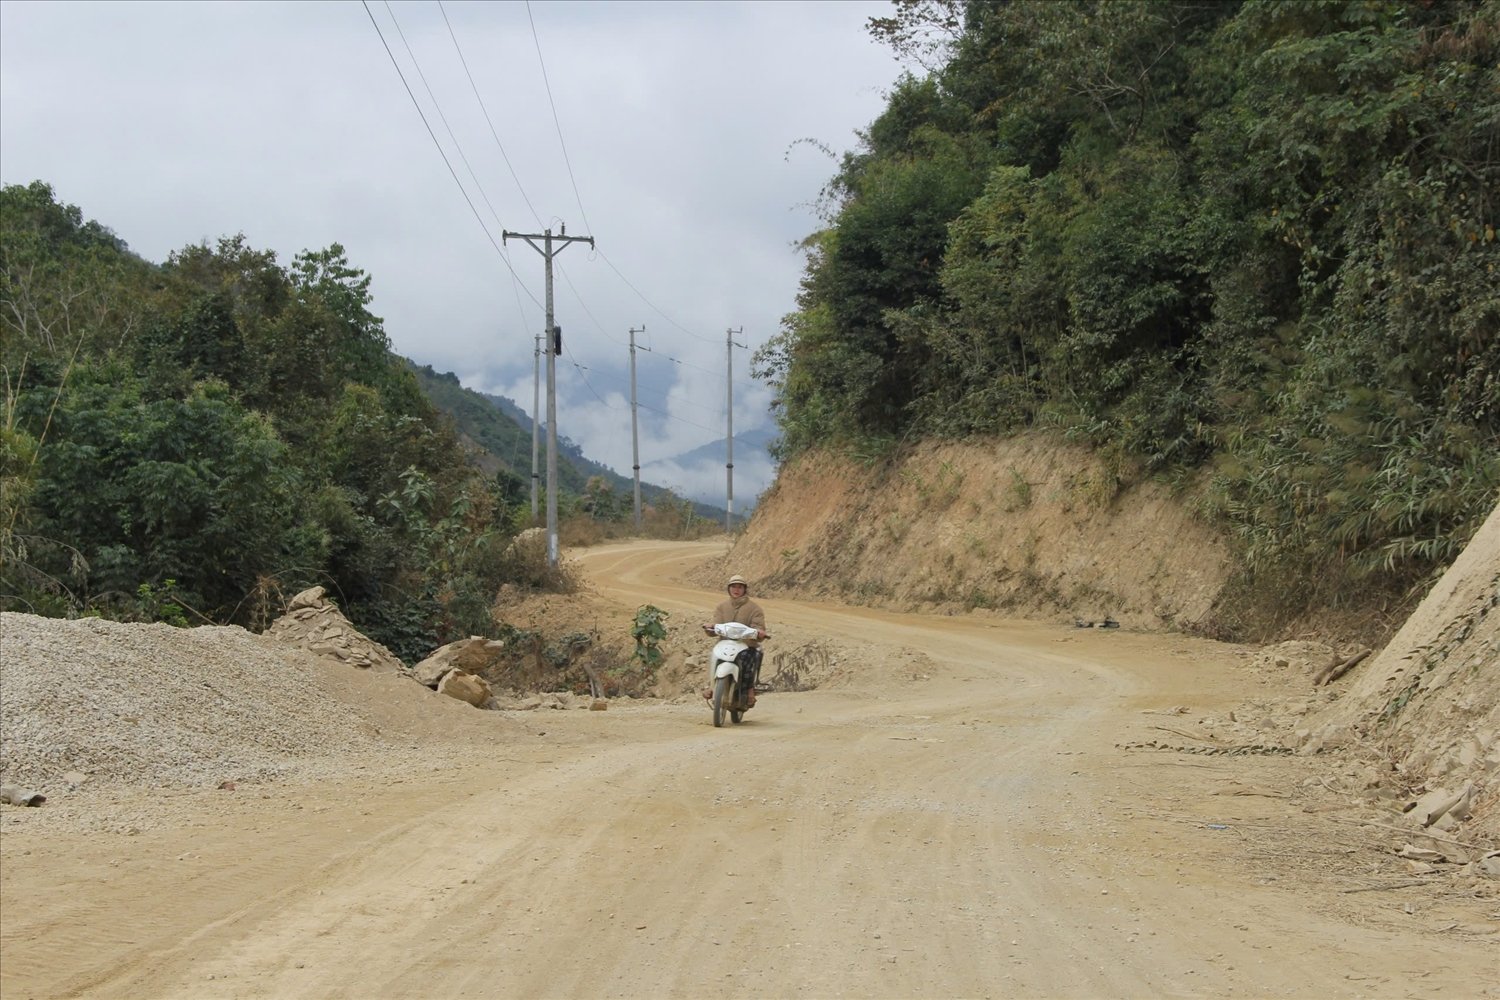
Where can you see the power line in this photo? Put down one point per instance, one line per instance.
(514, 281)
(604, 257)
(582, 369)
(446, 162)
(679, 420)
(496, 135)
(708, 371)
(438, 107)
(521, 188)
(661, 395)
(562, 142)
(555, 120)
(517, 284)
(585, 307)
(609, 406)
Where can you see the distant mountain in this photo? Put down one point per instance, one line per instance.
(700, 474)
(747, 446)
(498, 433)
(495, 441)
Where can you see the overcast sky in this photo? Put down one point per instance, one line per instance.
(674, 144)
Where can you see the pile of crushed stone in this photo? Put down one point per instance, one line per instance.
(109, 703)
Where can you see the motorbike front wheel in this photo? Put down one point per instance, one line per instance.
(721, 691)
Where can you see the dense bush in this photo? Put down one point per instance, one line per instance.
(1255, 238)
(195, 440)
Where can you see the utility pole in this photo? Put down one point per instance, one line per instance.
(554, 336)
(730, 345)
(536, 416)
(635, 440)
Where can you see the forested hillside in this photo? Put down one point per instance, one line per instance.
(193, 441)
(1249, 243)
(500, 432)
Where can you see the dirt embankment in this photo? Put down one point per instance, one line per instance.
(1427, 705)
(1029, 525)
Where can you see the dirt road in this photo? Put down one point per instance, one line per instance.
(964, 825)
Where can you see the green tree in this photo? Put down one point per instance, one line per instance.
(1259, 235)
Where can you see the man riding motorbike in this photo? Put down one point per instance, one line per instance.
(738, 608)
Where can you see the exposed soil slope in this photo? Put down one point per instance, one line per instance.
(1428, 705)
(1029, 524)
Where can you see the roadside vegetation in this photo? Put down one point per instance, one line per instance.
(1252, 243)
(197, 440)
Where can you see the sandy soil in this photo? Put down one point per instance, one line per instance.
(957, 816)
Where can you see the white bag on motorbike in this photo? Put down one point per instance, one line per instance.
(734, 630)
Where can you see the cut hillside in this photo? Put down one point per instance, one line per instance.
(1031, 525)
(1426, 708)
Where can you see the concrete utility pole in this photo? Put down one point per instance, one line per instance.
(635, 440)
(730, 345)
(536, 416)
(554, 335)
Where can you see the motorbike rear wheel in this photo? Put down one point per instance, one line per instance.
(735, 717)
(721, 692)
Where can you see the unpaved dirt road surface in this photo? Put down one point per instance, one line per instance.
(961, 821)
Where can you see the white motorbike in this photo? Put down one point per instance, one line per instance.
(735, 670)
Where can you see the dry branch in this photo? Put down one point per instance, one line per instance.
(1410, 832)
(1382, 888)
(1193, 736)
(1334, 671)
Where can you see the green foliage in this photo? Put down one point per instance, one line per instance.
(649, 631)
(1258, 237)
(602, 503)
(189, 438)
(1019, 490)
(160, 604)
(194, 489)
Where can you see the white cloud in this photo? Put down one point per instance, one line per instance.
(175, 123)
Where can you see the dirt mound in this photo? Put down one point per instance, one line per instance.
(157, 705)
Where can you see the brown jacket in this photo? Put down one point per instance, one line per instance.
(748, 613)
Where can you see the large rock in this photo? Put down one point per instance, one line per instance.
(529, 544)
(465, 687)
(312, 597)
(314, 623)
(472, 655)
(18, 796)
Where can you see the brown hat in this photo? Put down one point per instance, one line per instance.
(737, 579)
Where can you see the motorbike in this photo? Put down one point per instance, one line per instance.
(736, 669)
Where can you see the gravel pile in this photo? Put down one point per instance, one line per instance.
(154, 706)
